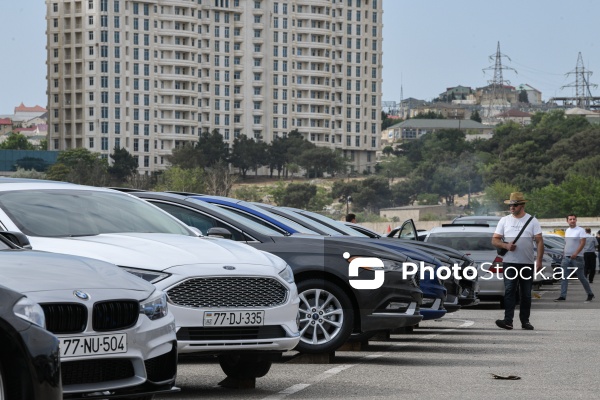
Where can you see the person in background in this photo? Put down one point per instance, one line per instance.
(573, 258)
(598, 244)
(351, 218)
(589, 255)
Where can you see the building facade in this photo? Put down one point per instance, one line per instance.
(150, 75)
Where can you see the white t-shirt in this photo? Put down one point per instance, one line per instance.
(573, 238)
(590, 244)
(509, 227)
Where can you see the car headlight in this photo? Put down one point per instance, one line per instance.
(287, 274)
(147, 275)
(30, 311)
(155, 307)
(391, 265)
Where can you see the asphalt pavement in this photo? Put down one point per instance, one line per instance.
(451, 358)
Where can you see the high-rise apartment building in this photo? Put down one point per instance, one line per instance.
(150, 75)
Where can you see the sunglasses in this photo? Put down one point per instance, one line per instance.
(515, 205)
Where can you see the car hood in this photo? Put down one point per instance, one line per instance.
(35, 271)
(154, 251)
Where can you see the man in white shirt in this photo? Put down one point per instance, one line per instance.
(520, 259)
(573, 258)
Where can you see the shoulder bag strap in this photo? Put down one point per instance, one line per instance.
(522, 229)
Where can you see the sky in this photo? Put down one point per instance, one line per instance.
(429, 45)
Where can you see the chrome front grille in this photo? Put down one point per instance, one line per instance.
(236, 292)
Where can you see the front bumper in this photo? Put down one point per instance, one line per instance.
(149, 366)
(395, 304)
(278, 332)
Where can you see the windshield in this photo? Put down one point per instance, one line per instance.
(259, 213)
(59, 213)
(304, 220)
(463, 241)
(337, 225)
(554, 242)
(244, 222)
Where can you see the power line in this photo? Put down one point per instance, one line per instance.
(496, 90)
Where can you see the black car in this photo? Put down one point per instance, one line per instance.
(461, 292)
(331, 309)
(29, 354)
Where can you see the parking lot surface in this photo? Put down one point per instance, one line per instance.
(450, 358)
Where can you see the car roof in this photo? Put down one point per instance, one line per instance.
(462, 228)
(476, 219)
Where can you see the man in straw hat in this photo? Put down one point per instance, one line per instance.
(520, 260)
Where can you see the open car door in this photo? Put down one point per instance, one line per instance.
(405, 231)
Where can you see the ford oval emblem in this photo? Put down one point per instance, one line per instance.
(229, 267)
(81, 295)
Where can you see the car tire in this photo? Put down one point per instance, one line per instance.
(319, 298)
(245, 366)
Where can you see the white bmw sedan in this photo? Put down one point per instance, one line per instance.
(117, 336)
(228, 298)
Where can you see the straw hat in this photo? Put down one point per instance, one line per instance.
(516, 198)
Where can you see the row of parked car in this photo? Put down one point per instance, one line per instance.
(125, 280)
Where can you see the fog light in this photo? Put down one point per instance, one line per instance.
(395, 306)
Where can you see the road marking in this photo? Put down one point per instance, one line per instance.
(336, 370)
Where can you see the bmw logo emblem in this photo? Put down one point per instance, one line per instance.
(81, 295)
(229, 267)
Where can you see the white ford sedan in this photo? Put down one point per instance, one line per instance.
(228, 298)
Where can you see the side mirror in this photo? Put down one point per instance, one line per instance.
(219, 232)
(17, 238)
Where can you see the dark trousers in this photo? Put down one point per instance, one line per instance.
(517, 278)
(589, 259)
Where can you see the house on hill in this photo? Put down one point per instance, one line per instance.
(415, 128)
(520, 117)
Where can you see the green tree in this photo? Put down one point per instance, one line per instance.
(186, 156)
(496, 193)
(386, 121)
(212, 149)
(388, 151)
(124, 164)
(16, 141)
(248, 154)
(523, 97)
(182, 180)
(318, 160)
(80, 166)
(395, 167)
(429, 115)
(373, 193)
(576, 194)
(475, 116)
(43, 144)
(248, 193)
(299, 195)
(278, 155)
